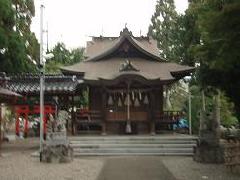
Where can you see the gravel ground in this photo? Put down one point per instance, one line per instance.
(184, 168)
(16, 163)
(21, 166)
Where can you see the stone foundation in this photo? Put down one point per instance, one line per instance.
(232, 156)
(57, 149)
(57, 154)
(209, 154)
(209, 149)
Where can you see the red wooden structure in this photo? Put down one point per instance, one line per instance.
(24, 111)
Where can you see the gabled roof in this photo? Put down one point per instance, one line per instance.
(107, 55)
(101, 47)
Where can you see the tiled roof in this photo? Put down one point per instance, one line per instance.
(7, 93)
(54, 84)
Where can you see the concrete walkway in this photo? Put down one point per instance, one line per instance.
(135, 168)
(161, 168)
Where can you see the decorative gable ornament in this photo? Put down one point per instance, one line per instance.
(127, 66)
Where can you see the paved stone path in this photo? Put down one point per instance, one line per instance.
(135, 168)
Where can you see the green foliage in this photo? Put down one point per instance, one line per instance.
(226, 108)
(62, 57)
(218, 53)
(18, 46)
(164, 29)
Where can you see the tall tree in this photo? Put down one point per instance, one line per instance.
(163, 28)
(24, 11)
(12, 51)
(63, 56)
(13, 46)
(218, 51)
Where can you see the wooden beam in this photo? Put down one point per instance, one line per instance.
(73, 117)
(103, 109)
(152, 105)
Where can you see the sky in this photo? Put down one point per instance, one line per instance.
(75, 21)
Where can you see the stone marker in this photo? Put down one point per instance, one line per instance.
(56, 148)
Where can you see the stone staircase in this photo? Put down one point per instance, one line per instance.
(179, 145)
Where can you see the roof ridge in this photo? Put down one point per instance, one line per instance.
(125, 34)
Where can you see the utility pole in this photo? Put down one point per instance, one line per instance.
(189, 109)
(41, 82)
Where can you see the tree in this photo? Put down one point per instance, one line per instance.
(218, 52)
(76, 55)
(164, 28)
(13, 46)
(24, 11)
(62, 57)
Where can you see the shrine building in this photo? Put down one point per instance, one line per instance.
(125, 79)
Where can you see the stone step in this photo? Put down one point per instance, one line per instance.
(133, 145)
(77, 154)
(134, 142)
(81, 145)
(135, 150)
(149, 138)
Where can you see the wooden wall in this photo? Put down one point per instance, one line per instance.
(95, 98)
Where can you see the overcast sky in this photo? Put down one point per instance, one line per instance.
(73, 21)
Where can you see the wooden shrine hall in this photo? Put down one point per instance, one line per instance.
(125, 77)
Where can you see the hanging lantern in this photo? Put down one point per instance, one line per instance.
(131, 99)
(137, 103)
(140, 95)
(110, 100)
(126, 100)
(145, 101)
(119, 102)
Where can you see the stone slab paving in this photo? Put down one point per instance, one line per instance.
(135, 168)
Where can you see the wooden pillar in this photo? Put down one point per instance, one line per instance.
(73, 117)
(0, 127)
(161, 99)
(17, 124)
(44, 125)
(152, 109)
(103, 109)
(26, 125)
